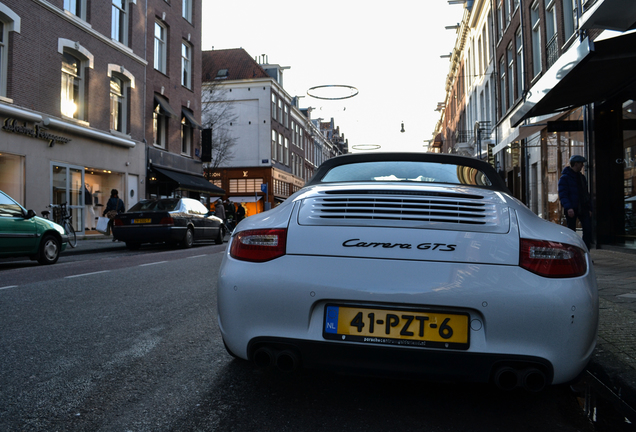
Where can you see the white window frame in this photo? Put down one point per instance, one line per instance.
(160, 47)
(186, 10)
(186, 65)
(569, 18)
(550, 19)
(159, 127)
(10, 22)
(119, 21)
(187, 134)
(274, 139)
(519, 74)
(502, 85)
(117, 104)
(76, 8)
(510, 58)
(73, 88)
(128, 82)
(536, 39)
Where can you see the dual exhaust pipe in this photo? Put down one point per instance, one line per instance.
(530, 379)
(285, 360)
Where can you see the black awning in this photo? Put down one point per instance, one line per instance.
(190, 117)
(592, 72)
(165, 106)
(190, 182)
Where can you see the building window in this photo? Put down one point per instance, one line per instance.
(280, 110)
(500, 20)
(280, 148)
(502, 85)
(286, 151)
(186, 10)
(519, 71)
(119, 22)
(286, 116)
(273, 106)
(536, 39)
(186, 65)
(117, 106)
(569, 17)
(4, 37)
(160, 47)
(274, 145)
(186, 137)
(550, 19)
(72, 86)
(76, 7)
(159, 126)
(510, 53)
(245, 185)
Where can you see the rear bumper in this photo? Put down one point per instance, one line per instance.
(401, 363)
(149, 233)
(514, 314)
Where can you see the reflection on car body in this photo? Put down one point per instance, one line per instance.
(24, 234)
(170, 220)
(416, 264)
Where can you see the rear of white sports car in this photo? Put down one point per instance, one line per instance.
(445, 281)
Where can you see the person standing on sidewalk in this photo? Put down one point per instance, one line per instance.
(575, 197)
(114, 206)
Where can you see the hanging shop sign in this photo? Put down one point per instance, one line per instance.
(36, 131)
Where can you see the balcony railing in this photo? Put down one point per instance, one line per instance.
(464, 136)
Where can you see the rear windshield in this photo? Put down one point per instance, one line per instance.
(407, 171)
(155, 205)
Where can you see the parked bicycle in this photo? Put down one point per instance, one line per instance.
(62, 216)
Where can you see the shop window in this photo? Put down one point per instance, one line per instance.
(161, 37)
(245, 185)
(12, 176)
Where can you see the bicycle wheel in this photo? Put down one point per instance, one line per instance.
(72, 237)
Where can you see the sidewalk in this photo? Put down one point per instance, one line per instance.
(614, 360)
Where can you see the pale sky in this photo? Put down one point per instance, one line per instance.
(390, 54)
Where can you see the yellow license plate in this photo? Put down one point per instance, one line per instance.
(434, 329)
(140, 221)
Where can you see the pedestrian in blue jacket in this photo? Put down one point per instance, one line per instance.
(575, 197)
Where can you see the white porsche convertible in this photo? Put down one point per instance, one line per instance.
(408, 263)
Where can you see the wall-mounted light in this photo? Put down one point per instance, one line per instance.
(449, 55)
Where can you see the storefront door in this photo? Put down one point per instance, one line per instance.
(67, 186)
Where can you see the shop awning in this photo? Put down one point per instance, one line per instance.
(165, 106)
(243, 199)
(591, 72)
(190, 182)
(602, 15)
(190, 117)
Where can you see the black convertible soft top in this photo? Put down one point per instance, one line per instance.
(450, 159)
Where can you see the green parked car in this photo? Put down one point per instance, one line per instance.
(22, 233)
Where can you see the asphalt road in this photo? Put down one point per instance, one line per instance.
(128, 341)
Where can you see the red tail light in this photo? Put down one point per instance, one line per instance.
(118, 222)
(259, 245)
(552, 259)
(166, 221)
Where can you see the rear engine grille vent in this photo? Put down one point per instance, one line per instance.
(454, 208)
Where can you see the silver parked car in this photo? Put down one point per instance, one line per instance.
(407, 263)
